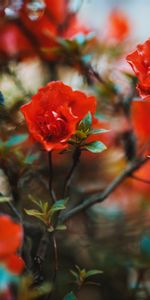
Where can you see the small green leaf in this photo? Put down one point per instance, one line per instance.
(58, 205)
(50, 229)
(61, 227)
(96, 131)
(70, 296)
(74, 274)
(86, 122)
(2, 100)
(31, 158)
(16, 139)
(36, 201)
(92, 273)
(4, 199)
(95, 147)
(35, 213)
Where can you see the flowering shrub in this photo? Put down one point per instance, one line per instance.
(74, 155)
(140, 62)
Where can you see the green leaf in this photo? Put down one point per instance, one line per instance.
(4, 199)
(16, 139)
(95, 147)
(31, 158)
(92, 273)
(86, 122)
(36, 201)
(70, 296)
(74, 274)
(50, 229)
(61, 227)
(96, 131)
(58, 205)
(35, 213)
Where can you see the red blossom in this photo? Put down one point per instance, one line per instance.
(11, 236)
(58, 10)
(140, 117)
(53, 114)
(14, 264)
(140, 62)
(56, 22)
(14, 44)
(118, 27)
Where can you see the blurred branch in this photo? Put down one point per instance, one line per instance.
(140, 179)
(100, 197)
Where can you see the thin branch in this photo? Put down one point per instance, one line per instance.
(40, 257)
(100, 197)
(76, 157)
(55, 256)
(15, 211)
(140, 179)
(51, 191)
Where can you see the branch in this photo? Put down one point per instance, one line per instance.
(100, 197)
(51, 191)
(76, 158)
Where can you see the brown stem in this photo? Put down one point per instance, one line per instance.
(51, 191)
(76, 158)
(55, 256)
(100, 197)
(40, 257)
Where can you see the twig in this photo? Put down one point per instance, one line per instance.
(140, 179)
(76, 157)
(100, 197)
(55, 256)
(51, 191)
(15, 211)
(40, 257)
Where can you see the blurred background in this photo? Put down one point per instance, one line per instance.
(113, 236)
(95, 13)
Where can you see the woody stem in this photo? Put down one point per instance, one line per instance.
(51, 190)
(76, 157)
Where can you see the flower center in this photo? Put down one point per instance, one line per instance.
(52, 126)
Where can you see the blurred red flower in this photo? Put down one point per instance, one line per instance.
(118, 26)
(58, 10)
(14, 44)
(11, 236)
(140, 117)
(56, 22)
(53, 113)
(140, 62)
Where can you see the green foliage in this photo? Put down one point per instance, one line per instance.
(81, 275)
(83, 131)
(70, 296)
(4, 199)
(16, 139)
(86, 123)
(95, 147)
(28, 292)
(47, 213)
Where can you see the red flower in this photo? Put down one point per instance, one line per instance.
(118, 27)
(140, 117)
(11, 236)
(53, 114)
(14, 44)
(140, 62)
(14, 264)
(55, 22)
(58, 10)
